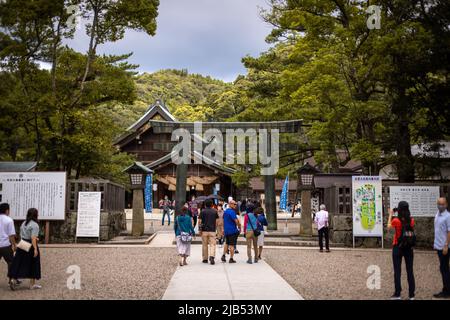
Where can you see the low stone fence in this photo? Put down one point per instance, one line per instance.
(111, 225)
(341, 228)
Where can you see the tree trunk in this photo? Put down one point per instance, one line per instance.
(405, 159)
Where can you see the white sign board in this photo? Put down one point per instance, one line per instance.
(88, 215)
(421, 199)
(45, 191)
(367, 206)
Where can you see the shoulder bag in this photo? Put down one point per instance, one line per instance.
(23, 245)
(184, 236)
(256, 232)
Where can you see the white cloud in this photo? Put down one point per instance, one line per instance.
(204, 36)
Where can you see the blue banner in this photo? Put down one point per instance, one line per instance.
(148, 194)
(284, 195)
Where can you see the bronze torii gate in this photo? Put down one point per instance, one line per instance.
(290, 126)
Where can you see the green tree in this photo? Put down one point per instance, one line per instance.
(58, 111)
(361, 90)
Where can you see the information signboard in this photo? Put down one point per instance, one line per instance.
(88, 215)
(45, 191)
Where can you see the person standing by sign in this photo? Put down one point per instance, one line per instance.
(7, 236)
(27, 261)
(321, 220)
(402, 247)
(442, 244)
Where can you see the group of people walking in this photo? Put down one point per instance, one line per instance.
(221, 224)
(23, 257)
(217, 223)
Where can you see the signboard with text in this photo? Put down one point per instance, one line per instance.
(367, 206)
(45, 191)
(88, 215)
(421, 199)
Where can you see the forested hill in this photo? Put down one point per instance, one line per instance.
(188, 96)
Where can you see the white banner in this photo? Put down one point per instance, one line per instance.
(45, 191)
(421, 199)
(367, 206)
(88, 215)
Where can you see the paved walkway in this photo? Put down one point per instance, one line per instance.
(163, 239)
(224, 281)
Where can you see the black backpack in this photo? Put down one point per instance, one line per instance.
(407, 238)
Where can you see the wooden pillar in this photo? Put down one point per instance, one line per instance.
(270, 201)
(47, 232)
(180, 193)
(305, 221)
(137, 226)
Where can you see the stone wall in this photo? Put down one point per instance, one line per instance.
(111, 224)
(341, 232)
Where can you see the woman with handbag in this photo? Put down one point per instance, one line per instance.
(27, 261)
(251, 233)
(184, 232)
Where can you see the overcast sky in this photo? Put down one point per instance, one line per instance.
(204, 36)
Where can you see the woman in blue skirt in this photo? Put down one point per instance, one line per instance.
(27, 264)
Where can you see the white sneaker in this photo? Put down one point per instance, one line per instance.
(36, 287)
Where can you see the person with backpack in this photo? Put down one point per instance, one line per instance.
(184, 232)
(403, 247)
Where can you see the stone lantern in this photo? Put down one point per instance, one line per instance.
(305, 185)
(138, 173)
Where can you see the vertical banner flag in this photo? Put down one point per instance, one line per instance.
(215, 193)
(148, 193)
(284, 195)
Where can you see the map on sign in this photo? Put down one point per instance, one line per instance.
(367, 206)
(421, 199)
(45, 191)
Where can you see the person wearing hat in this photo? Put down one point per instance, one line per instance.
(403, 225)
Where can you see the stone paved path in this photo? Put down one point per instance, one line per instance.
(223, 281)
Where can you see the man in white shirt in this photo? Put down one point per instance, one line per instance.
(7, 235)
(321, 221)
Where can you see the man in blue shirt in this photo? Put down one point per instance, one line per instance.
(441, 245)
(232, 229)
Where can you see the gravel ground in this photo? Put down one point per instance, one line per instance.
(343, 274)
(106, 273)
